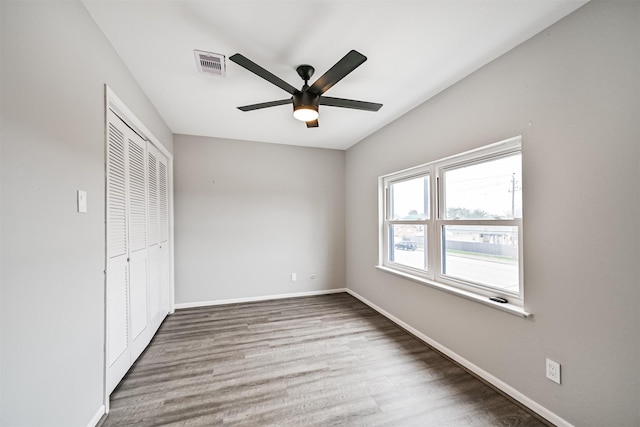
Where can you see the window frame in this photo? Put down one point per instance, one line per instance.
(413, 173)
(436, 221)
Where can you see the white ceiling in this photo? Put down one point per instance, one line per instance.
(415, 49)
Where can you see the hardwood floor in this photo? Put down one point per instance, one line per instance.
(312, 361)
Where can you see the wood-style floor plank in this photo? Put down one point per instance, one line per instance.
(314, 361)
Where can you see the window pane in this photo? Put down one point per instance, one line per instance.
(489, 190)
(487, 255)
(410, 199)
(407, 245)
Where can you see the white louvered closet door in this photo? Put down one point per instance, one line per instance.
(154, 240)
(117, 292)
(158, 247)
(127, 249)
(138, 249)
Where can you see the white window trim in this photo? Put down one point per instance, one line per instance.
(420, 171)
(433, 225)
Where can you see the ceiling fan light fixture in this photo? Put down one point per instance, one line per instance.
(305, 113)
(305, 106)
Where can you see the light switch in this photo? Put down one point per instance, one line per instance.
(82, 201)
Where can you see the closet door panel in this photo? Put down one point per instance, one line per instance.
(163, 225)
(163, 198)
(164, 272)
(153, 221)
(119, 351)
(138, 286)
(140, 336)
(117, 311)
(137, 194)
(117, 285)
(155, 312)
(116, 189)
(138, 251)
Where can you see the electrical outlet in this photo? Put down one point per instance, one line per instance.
(294, 277)
(553, 371)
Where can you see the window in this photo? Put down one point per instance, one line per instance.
(408, 223)
(457, 223)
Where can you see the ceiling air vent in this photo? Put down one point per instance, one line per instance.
(210, 63)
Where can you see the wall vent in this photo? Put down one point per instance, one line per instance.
(210, 63)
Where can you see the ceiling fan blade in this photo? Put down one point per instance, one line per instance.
(349, 103)
(265, 104)
(312, 124)
(347, 64)
(258, 70)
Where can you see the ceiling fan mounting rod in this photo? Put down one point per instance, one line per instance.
(305, 72)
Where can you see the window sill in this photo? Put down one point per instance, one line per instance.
(507, 308)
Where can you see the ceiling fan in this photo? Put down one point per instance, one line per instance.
(307, 100)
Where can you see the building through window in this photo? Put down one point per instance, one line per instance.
(457, 222)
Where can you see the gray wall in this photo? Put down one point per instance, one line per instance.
(55, 62)
(273, 210)
(572, 92)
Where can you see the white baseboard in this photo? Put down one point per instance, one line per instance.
(96, 418)
(499, 384)
(259, 298)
